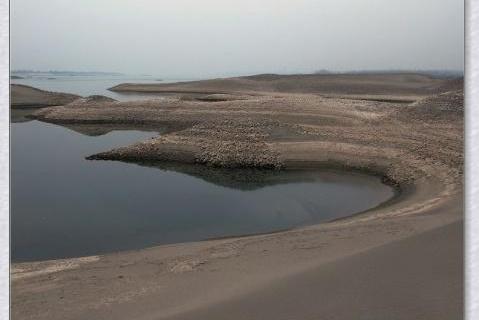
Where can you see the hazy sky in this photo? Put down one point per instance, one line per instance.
(202, 38)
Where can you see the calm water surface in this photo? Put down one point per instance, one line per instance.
(66, 206)
(90, 85)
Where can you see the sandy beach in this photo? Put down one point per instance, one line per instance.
(401, 260)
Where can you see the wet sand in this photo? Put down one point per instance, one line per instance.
(402, 260)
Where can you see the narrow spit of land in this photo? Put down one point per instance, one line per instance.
(29, 97)
(407, 128)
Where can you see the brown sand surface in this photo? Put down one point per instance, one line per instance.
(409, 247)
(393, 281)
(404, 84)
(25, 96)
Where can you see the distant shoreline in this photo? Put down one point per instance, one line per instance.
(66, 73)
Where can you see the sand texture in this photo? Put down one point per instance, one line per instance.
(401, 260)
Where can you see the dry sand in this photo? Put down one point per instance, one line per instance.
(28, 97)
(402, 260)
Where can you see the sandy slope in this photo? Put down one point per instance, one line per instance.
(26, 96)
(404, 84)
(387, 282)
(402, 260)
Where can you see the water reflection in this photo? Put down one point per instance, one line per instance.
(21, 114)
(246, 178)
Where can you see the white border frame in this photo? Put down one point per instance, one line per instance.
(471, 249)
(4, 160)
(472, 161)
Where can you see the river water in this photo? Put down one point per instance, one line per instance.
(93, 85)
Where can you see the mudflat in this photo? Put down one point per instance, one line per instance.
(406, 128)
